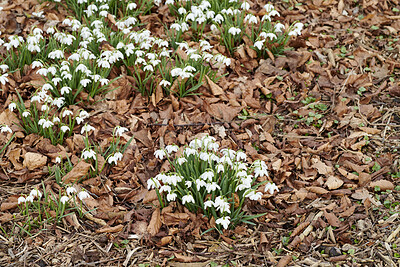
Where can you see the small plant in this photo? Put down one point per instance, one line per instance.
(40, 209)
(5, 129)
(215, 182)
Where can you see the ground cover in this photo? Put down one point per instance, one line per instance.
(303, 96)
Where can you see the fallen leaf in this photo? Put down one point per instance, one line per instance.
(382, 184)
(78, 171)
(117, 228)
(155, 223)
(215, 89)
(34, 160)
(333, 182)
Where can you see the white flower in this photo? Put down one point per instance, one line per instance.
(5, 128)
(225, 221)
(153, 183)
(160, 154)
(165, 83)
(29, 199)
(271, 188)
(165, 188)
(37, 64)
(47, 124)
(187, 199)
(245, 6)
(279, 27)
(35, 193)
(221, 205)
(58, 160)
(65, 90)
(84, 114)
(88, 154)
(181, 160)
(56, 120)
(171, 148)
(70, 190)
(21, 200)
(120, 130)
(208, 204)
(190, 151)
(208, 175)
(234, 31)
(240, 156)
(118, 155)
(12, 106)
(200, 184)
(4, 67)
(259, 44)
(112, 159)
(220, 168)
(64, 128)
(83, 195)
(67, 113)
(188, 184)
(171, 197)
(87, 128)
(212, 187)
(253, 195)
(64, 199)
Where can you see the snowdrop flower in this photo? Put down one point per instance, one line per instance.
(56, 54)
(271, 188)
(245, 6)
(188, 184)
(83, 195)
(64, 199)
(120, 130)
(64, 128)
(220, 168)
(71, 190)
(58, 160)
(269, 7)
(253, 195)
(165, 188)
(84, 114)
(212, 187)
(234, 31)
(279, 27)
(59, 102)
(208, 204)
(171, 148)
(118, 155)
(271, 36)
(29, 199)
(171, 197)
(182, 10)
(65, 90)
(195, 143)
(181, 160)
(221, 205)
(241, 156)
(85, 82)
(5, 128)
(37, 64)
(225, 221)
(87, 128)
(165, 83)
(187, 199)
(274, 13)
(56, 120)
(35, 193)
(67, 113)
(259, 44)
(189, 151)
(12, 106)
(251, 19)
(88, 154)
(131, 6)
(47, 124)
(21, 199)
(26, 113)
(225, 160)
(4, 67)
(208, 175)
(160, 154)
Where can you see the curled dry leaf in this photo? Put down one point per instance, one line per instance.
(155, 223)
(333, 182)
(382, 184)
(34, 160)
(78, 171)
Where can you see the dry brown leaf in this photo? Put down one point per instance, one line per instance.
(382, 184)
(34, 160)
(169, 218)
(214, 88)
(114, 229)
(78, 171)
(155, 223)
(276, 165)
(165, 241)
(332, 219)
(333, 182)
(182, 258)
(317, 190)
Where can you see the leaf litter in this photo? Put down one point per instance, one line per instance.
(331, 147)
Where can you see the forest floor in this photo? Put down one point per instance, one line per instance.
(324, 115)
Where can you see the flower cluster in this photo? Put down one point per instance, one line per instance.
(215, 181)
